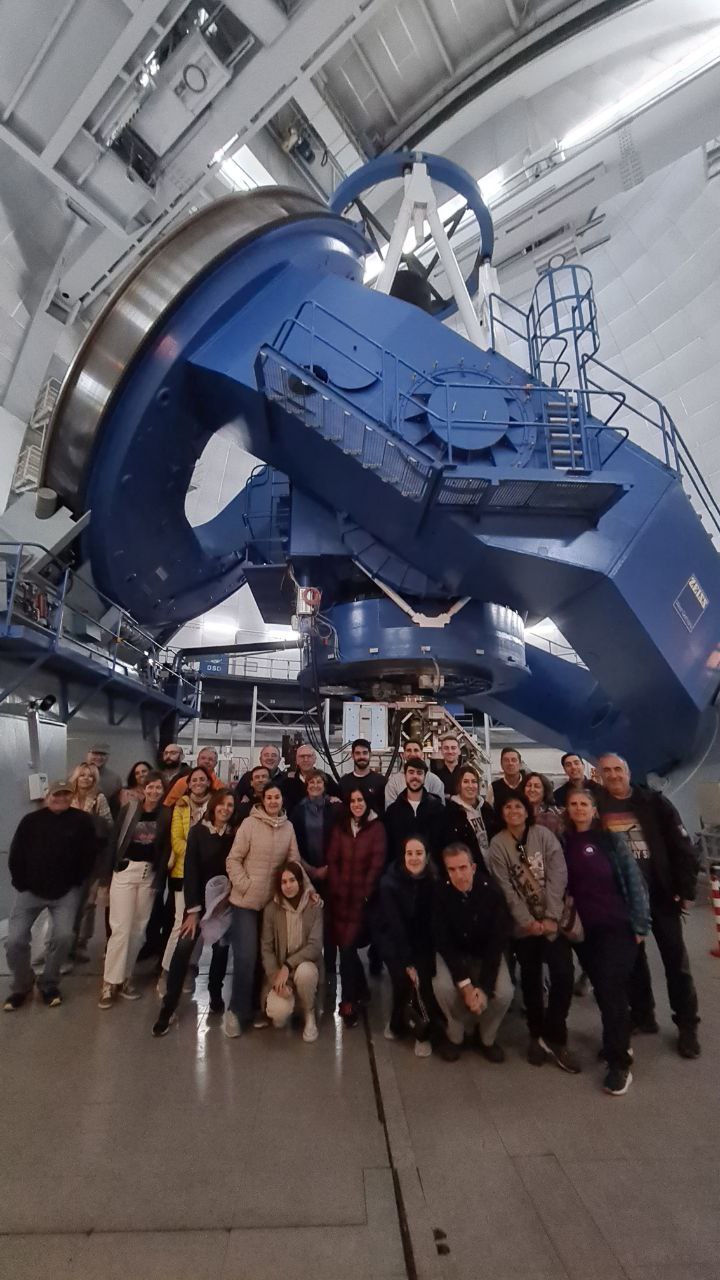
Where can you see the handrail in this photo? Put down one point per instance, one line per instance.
(147, 659)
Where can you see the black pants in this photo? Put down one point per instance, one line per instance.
(668, 932)
(402, 989)
(180, 964)
(533, 955)
(608, 957)
(353, 982)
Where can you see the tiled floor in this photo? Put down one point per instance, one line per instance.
(195, 1156)
(533, 1173)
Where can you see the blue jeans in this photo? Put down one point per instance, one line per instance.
(244, 943)
(26, 909)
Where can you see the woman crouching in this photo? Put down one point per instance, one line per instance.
(291, 950)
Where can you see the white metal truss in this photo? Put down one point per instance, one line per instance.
(419, 205)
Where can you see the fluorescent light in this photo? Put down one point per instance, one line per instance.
(244, 171)
(701, 57)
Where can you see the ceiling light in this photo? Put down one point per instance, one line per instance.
(703, 55)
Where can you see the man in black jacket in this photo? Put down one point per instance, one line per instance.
(574, 769)
(415, 812)
(51, 856)
(472, 927)
(296, 779)
(666, 857)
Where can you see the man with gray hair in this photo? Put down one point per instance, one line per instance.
(667, 859)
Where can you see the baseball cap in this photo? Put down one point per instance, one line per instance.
(61, 787)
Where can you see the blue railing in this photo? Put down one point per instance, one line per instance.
(404, 391)
(567, 313)
(29, 599)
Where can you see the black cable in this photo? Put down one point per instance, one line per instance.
(398, 735)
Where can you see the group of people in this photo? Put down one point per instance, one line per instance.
(461, 895)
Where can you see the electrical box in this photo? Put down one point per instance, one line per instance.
(37, 785)
(185, 84)
(366, 720)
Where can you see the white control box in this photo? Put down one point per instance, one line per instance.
(37, 785)
(366, 720)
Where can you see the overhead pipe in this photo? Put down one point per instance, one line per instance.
(205, 650)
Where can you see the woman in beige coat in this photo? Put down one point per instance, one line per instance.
(263, 842)
(291, 950)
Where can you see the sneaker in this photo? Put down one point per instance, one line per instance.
(646, 1026)
(260, 1021)
(51, 997)
(15, 1001)
(388, 1033)
(582, 985)
(493, 1052)
(562, 1057)
(163, 1024)
(106, 996)
(67, 967)
(161, 986)
(446, 1050)
(217, 1004)
(130, 992)
(423, 1049)
(617, 1081)
(231, 1025)
(688, 1045)
(81, 956)
(536, 1055)
(310, 1030)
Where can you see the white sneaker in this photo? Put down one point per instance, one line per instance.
(231, 1025)
(310, 1030)
(260, 1021)
(388, 1033)
(129, 992)
(161, 987)
(423, 1049)
(106, 996)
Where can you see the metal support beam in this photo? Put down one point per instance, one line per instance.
(267, 83)
(99, 83)
(427, 14)
(367, 66)
(253, 717)
(85, 204)
(263, 17)
(33, 66)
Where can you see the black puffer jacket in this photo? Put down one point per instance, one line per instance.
(402, 919)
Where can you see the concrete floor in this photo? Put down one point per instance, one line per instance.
(264, 1157)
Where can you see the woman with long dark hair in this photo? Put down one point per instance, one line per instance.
(611, 896)
(264, 841)
(208, 845)
(402, 927)
(141, 844)
(134, 788)
(291, 950)
(355, 860)
(538, 790)
(528, 864)
(468, 819)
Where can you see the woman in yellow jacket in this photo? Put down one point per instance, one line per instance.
(188, 810)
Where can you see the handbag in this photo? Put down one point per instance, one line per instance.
(415, 1015)
(527, 887)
